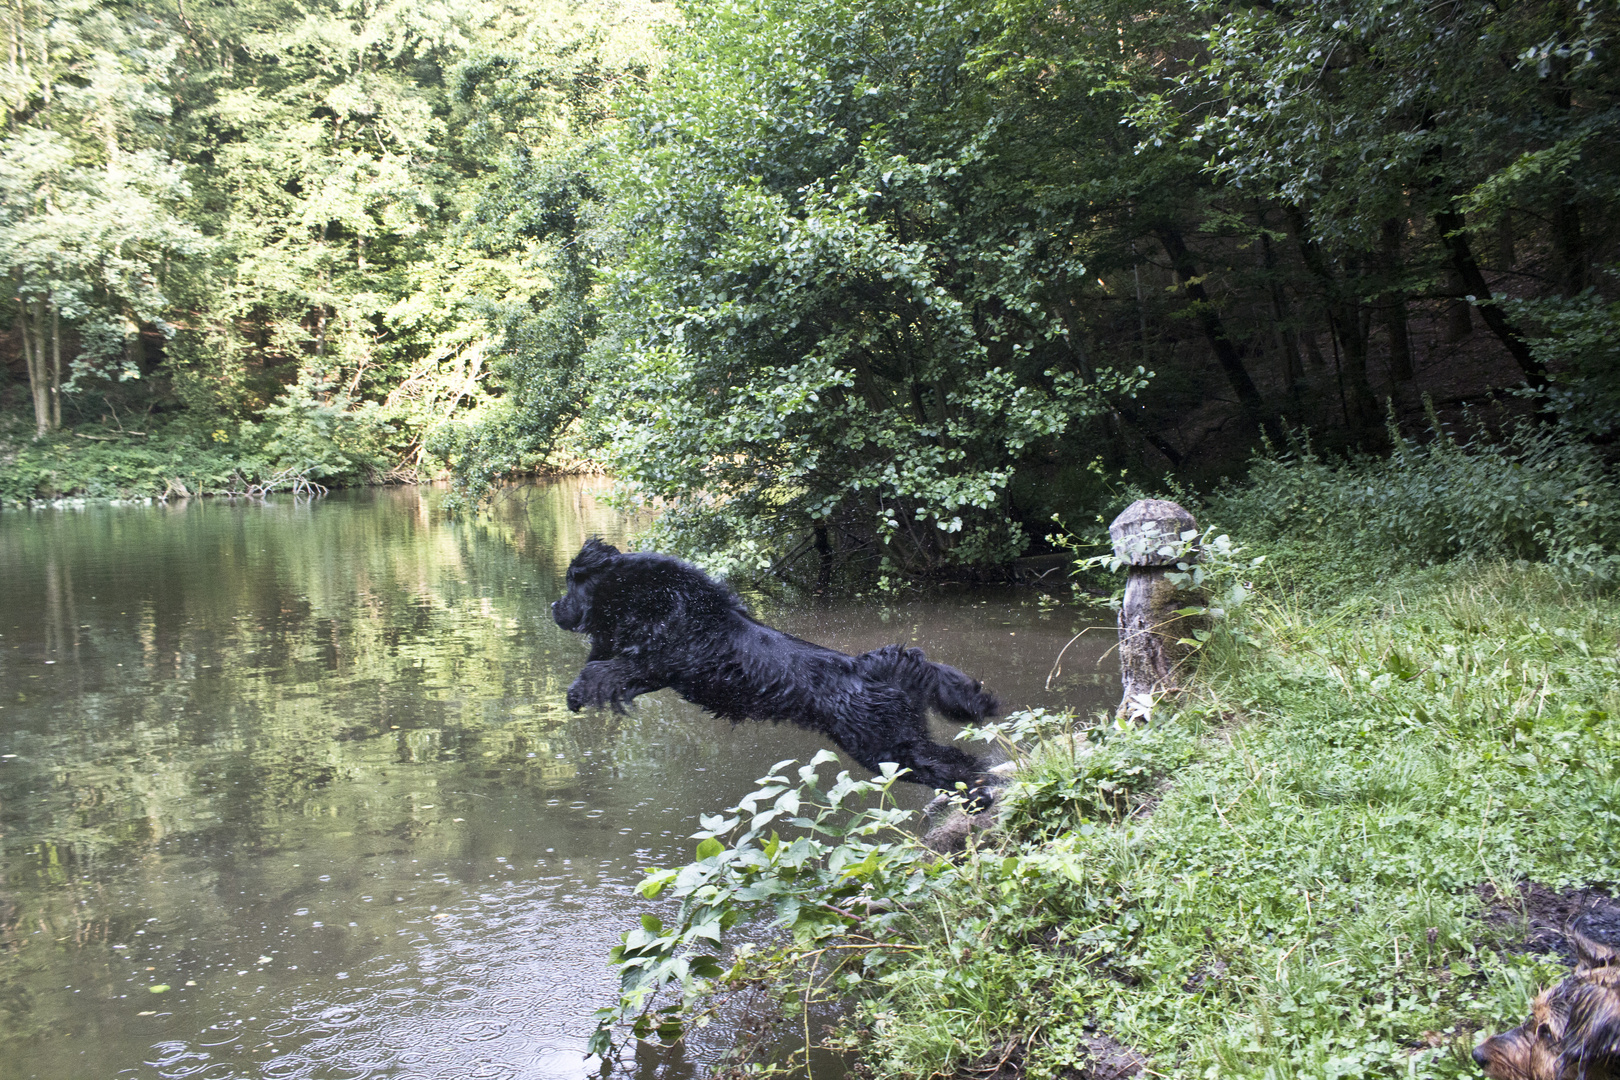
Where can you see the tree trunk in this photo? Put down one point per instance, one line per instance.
(1459, 316)
(1568, 243)
(320, 331)
(1209, 320)
(1360, 407)
(45, 382)
(1344, 319)
(134, 347)
(1313, 350)
(824, 552)
(1394, 305)
(56, 367)
(1450, 223)
(38, 379)
(1148, 539)
(1287, 337)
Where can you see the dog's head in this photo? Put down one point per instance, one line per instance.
(588, 566)
(1574, 1028)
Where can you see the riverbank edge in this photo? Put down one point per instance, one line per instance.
(96, 464)
(1351, 852)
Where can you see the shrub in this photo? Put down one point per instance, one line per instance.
(1103, 773)
(1580, 343)
(322, 435)
(1537, 493)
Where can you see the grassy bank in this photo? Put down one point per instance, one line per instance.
(1341, 859)
(100, 462)
(1349, 850)
(1349, 853)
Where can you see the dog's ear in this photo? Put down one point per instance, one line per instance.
(595, 553)
(1591, 1039)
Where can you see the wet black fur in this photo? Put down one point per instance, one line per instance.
(655, 621)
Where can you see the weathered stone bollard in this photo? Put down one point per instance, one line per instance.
(1150, 537)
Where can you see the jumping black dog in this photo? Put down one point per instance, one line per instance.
(655, 621)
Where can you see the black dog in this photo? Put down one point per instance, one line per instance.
(655, 621)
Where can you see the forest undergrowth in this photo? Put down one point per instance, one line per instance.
(302, 444)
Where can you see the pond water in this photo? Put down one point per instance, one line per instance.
(290, 790)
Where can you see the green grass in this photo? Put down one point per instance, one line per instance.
(1289, 877)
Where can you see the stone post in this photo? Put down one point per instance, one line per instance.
(1150, 537)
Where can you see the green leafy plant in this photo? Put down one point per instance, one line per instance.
(836, 884)
(315, 432)
(1580, 341)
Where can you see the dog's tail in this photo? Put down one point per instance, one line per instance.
(931, 685)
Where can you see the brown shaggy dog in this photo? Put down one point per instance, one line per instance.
(1574, 1028)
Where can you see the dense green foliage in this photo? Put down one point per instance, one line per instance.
(827, 318)
(1311, 866)
(257, 213)
(882, 290)
(853, 286)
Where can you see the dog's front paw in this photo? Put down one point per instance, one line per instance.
(588, 689)
(597, 685)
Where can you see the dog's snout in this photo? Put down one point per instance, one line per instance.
(565, 614)
(1482, 1058)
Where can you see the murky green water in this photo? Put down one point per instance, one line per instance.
(308, 767)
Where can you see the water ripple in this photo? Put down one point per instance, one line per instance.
(482, 1030)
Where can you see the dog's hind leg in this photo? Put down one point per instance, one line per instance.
(938, 686)
(889, 726)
